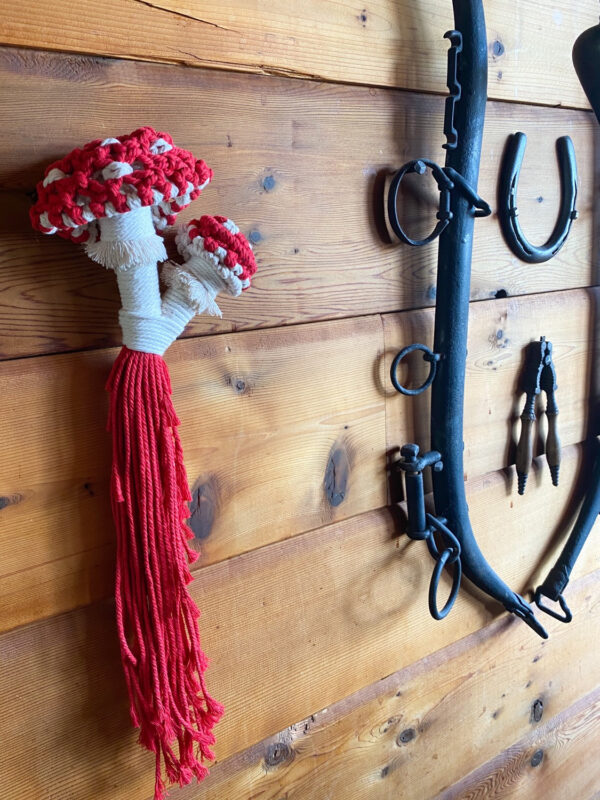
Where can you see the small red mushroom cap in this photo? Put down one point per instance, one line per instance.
(114, 176)
(218, 240)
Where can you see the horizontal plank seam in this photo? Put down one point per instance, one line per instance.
(275, 72)
(366, 694)
(197, 569)
(295, 324)
(530, 740)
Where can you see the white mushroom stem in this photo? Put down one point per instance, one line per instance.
(130, 246)
(139, 290)
(192, 289)
(186, 296)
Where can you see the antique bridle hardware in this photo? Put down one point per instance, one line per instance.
(448, 181)
(586, 59)
(423, 526)
(539, 376)
(428, 355)
(557, 579)
(459, 205)
(508, 213)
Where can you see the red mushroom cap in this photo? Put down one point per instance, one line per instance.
(227, 248)
(113, 176)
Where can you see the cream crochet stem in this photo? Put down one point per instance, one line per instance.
(192, 289)
(203, 268)
(130, 246)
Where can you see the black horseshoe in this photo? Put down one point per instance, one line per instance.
(428, 355)
(508, 212)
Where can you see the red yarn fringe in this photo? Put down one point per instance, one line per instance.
(156, 617)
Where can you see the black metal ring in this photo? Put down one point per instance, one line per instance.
(429, 355)
(451, 542)
(566, 616)
(435, 582)
(444, 215)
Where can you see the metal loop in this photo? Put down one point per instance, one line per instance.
(435, 582)
(444, 215)
(450, 540)
(448, 180)
(566, 616)
(428, 355)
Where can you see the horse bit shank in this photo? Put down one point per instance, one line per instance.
(459, 206)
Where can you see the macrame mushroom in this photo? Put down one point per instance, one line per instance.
(112, 196)
(217, 258)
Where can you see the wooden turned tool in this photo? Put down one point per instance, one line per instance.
(540, 375)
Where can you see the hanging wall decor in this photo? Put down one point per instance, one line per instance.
(538, 376)
(448, 532)
(508, 213)
(112, 196)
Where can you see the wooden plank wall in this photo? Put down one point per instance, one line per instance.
(337, 682)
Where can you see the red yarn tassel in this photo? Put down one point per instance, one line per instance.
(156, 617)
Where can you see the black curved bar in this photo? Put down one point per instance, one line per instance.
(508, 212)
(558, 577)
(459, 206)
(451, 319)
(586, 59)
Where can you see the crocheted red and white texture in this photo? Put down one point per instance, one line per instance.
(113, 176)
(218, 241)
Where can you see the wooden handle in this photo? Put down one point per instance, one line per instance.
(553, 447)
(524, 452)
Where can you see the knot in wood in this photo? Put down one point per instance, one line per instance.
(277, 753)
(537, 710)
(406, 736)
(537, 758)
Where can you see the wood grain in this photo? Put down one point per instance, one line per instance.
(499, 331)
(299, 165)
(390, 740)
(283, 431)
(290, 628)
(385, 43)
(552, 762)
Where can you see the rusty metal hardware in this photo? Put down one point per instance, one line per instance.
(539, 375)
(508, 213)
